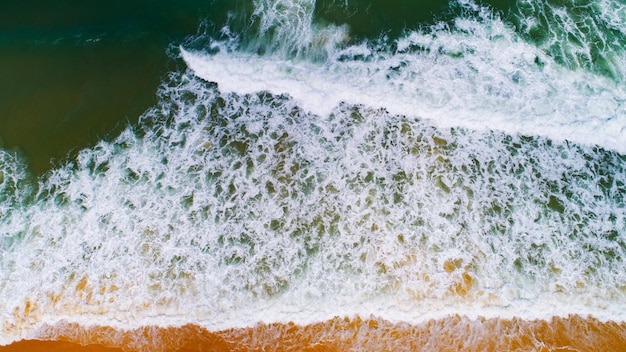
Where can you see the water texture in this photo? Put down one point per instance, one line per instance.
(306, 160)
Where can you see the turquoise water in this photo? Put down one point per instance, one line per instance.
(236, 162)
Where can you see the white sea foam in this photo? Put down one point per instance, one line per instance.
(287, 28)
(477, 73)
(231, 209)
(496, 84)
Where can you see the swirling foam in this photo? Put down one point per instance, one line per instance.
(225, 210)
(478, 74)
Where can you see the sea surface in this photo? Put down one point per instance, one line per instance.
(313, 175)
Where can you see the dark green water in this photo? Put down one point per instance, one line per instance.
(74, 72)
(373, 18)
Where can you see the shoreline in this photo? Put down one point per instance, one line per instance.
(453, 332)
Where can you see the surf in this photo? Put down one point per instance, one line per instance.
(477, 72)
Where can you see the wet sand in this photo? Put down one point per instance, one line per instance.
(454, 333)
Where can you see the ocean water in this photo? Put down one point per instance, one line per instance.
(327, 175)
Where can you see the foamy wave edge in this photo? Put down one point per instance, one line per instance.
(516, 98)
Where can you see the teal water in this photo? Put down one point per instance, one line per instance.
(228, 162)
(73, 72)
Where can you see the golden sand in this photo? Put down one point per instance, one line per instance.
(454, 333)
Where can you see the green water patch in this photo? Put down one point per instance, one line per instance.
(72, 72)
(55, 100)
(373, 18)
